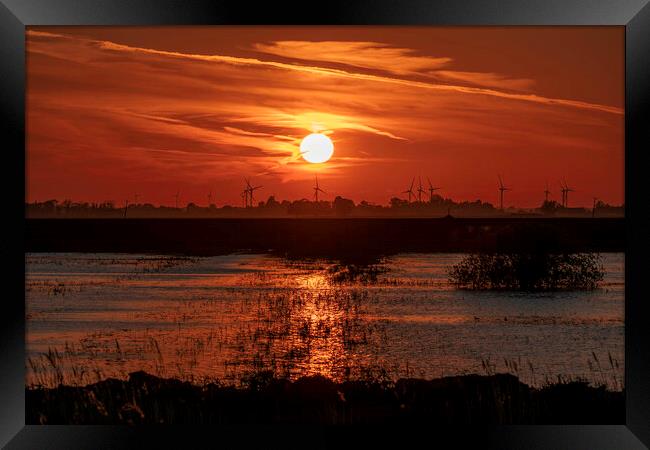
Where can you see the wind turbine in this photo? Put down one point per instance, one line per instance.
(210, 198)
(432, 189)
(546, 193)
(178, 194)
(420, 190)
(502, 189)
(409, 191)
(317, 189)
(593, 210)
(567, 189)
(250, 190)
(244, 196)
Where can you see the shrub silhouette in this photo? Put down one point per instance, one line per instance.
(528, 271)
(363, 273)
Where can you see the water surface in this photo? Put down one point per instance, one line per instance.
(94, 316)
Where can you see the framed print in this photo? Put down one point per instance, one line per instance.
(377, 224)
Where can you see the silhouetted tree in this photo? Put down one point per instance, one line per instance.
(343, 206)
(272, 202)
(550, 206)
(300, 207)
(398, 203)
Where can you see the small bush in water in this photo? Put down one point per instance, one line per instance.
(363, 273)
(535, 271)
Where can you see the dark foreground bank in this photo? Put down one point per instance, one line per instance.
(470, 399)
(323, 237)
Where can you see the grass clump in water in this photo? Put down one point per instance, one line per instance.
(528, 271)
(359, 273)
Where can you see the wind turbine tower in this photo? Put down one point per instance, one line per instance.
(250, 190)
(409, 191)
(432, 189)
(317, 189)
(244, 196)
(546, 193)
(420, 190)
(567, 189)
(502, 189)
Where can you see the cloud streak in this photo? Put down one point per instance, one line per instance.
(112, 46)
(367, 55)
(489, 79)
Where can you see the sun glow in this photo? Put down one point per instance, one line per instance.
(316, 148)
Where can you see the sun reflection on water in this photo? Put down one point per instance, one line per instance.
(313, 281)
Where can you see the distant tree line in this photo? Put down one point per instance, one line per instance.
(437, 206)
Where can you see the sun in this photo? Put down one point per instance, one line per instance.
(316, 148)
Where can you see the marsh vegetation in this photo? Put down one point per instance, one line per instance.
(537, 271)
(470, 399)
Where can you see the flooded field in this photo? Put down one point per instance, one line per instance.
(95, 316)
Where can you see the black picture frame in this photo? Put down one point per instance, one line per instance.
(15, 15)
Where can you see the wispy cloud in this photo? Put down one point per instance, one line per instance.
(368, 55)
(107, 45)
(486, 79)
(389, 59)
(368, 77)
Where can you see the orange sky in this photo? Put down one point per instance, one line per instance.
(115, 111)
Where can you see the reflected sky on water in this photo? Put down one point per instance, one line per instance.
(93, 316)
